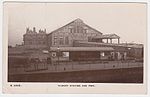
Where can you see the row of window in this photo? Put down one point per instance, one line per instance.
(61, 40)
(31, 42)
(78, 30)
(34, 36)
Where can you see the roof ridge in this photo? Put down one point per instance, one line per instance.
(61, 27)
(72, 22)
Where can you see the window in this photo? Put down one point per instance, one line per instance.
(85, 30)
(55, 40)
(67, 40)
(75, 30)
(71, 30)
(61, 41)
(65, 54)
(79, 29)
(102, 54)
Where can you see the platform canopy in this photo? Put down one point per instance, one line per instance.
(81, 49)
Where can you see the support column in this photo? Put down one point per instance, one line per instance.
(110, 40)
(107, 40)
(118, 40)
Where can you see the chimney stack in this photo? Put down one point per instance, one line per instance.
(34, 30)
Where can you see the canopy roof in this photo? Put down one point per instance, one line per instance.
(107, 36)
(128, 45)
(81, 49)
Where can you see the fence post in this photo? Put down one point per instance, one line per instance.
(104, 66)
(72, 65)
(128, 64)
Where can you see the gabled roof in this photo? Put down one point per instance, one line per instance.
(73, 22)
(105, 36)
(93, 29)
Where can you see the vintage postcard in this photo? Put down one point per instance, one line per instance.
(75, 47)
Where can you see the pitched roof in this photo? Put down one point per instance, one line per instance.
(73, 22)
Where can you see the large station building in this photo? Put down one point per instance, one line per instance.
(77, 41)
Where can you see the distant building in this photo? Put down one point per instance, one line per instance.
(33, 39)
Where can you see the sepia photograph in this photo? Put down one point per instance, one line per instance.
(75, 43)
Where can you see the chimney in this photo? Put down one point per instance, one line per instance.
(45, 30)
(34, 30)
(40, 31)
(27, 30)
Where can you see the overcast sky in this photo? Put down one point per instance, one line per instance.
(124, 19)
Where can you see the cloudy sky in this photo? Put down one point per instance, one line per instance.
(124, 19)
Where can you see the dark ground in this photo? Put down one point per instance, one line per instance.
(129, 75)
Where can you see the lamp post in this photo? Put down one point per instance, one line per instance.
(58, 53)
